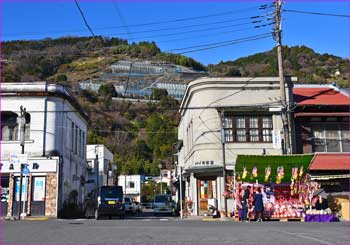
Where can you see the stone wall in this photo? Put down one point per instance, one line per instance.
(51, 194)
(11, 193)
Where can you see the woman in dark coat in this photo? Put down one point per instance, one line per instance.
(258, 204)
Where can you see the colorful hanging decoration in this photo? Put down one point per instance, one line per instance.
(280, 174)
(294, 173)
(301, 171)
(245, 172)
(267, 173)
(255, 172)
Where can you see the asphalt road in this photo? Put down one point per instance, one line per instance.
(147, 229)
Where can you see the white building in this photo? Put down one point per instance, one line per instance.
(55, 144)
(221, 118)
(99, 156)
(132, 186)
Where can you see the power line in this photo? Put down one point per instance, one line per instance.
(121, 17)
(228, 44)
(171, 34)
(166, 109)
(85, 21)
(257, 7)
(194, 25)
(316, 13)
(196, 30)
(216, 43)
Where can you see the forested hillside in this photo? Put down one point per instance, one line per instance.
(299, 61)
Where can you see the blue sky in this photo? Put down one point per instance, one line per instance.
(41, 19)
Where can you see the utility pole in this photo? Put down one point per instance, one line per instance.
(181, 210)
(22, 126)
(285, 110)
(223, 158)
(97, 170)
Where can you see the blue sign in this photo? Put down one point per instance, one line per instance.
(25, 170)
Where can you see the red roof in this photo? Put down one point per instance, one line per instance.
(329, 161)
(319, 96)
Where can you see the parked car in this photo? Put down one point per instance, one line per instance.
(138, 207)
(163, 204)
(129, 205)
(108, 203)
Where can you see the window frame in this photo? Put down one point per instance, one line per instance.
(325, 126)
(234, 127)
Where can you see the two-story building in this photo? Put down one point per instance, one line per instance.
(101, 170)
(55, 148)
(322, 126)
(222, 118)
(132, 186)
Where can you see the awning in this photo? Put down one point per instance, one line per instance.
(330, 161)
(204, 169)
(328, 177)
(263, 161)
(320, 114)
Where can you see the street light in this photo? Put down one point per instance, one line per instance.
(160, 174)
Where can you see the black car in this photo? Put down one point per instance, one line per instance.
(108, 203)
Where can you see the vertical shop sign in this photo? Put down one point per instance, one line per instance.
(39, 189)
(24, 189)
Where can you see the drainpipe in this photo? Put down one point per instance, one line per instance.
(59, 185)
(45, 121)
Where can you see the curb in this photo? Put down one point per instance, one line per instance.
(36, 219)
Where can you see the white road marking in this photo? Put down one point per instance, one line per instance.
(164, 219)
(127, 227)
(304, 236)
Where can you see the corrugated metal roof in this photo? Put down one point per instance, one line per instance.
(330, 161)
(320, 96)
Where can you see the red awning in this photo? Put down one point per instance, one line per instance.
(320, 114)
(330, 161)
(319, 96)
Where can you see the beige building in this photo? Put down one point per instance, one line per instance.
(221, 118)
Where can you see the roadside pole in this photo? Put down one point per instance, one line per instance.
(285, 111)
(97, 171)
(181, 210)
(223, 159)
(22, 124)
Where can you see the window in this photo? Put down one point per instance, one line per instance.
(10, 128)
(76, 140)
(267, 129)
(80, 143)
(331, 137)
(248, 128)
(130, 184)
(83, 145)
(72, 135)
(240, 129)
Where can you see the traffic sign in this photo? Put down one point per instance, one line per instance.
(25, 170)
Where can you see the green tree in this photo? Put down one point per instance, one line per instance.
(159, 93)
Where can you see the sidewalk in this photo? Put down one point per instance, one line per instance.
(29, 218)
(207, 218)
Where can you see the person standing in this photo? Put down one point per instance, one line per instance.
(258, 204)
(245, 201)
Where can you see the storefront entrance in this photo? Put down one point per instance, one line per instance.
(37, 196)
(5, 190)
(15, 205)
(37, 204)
(206, 190)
